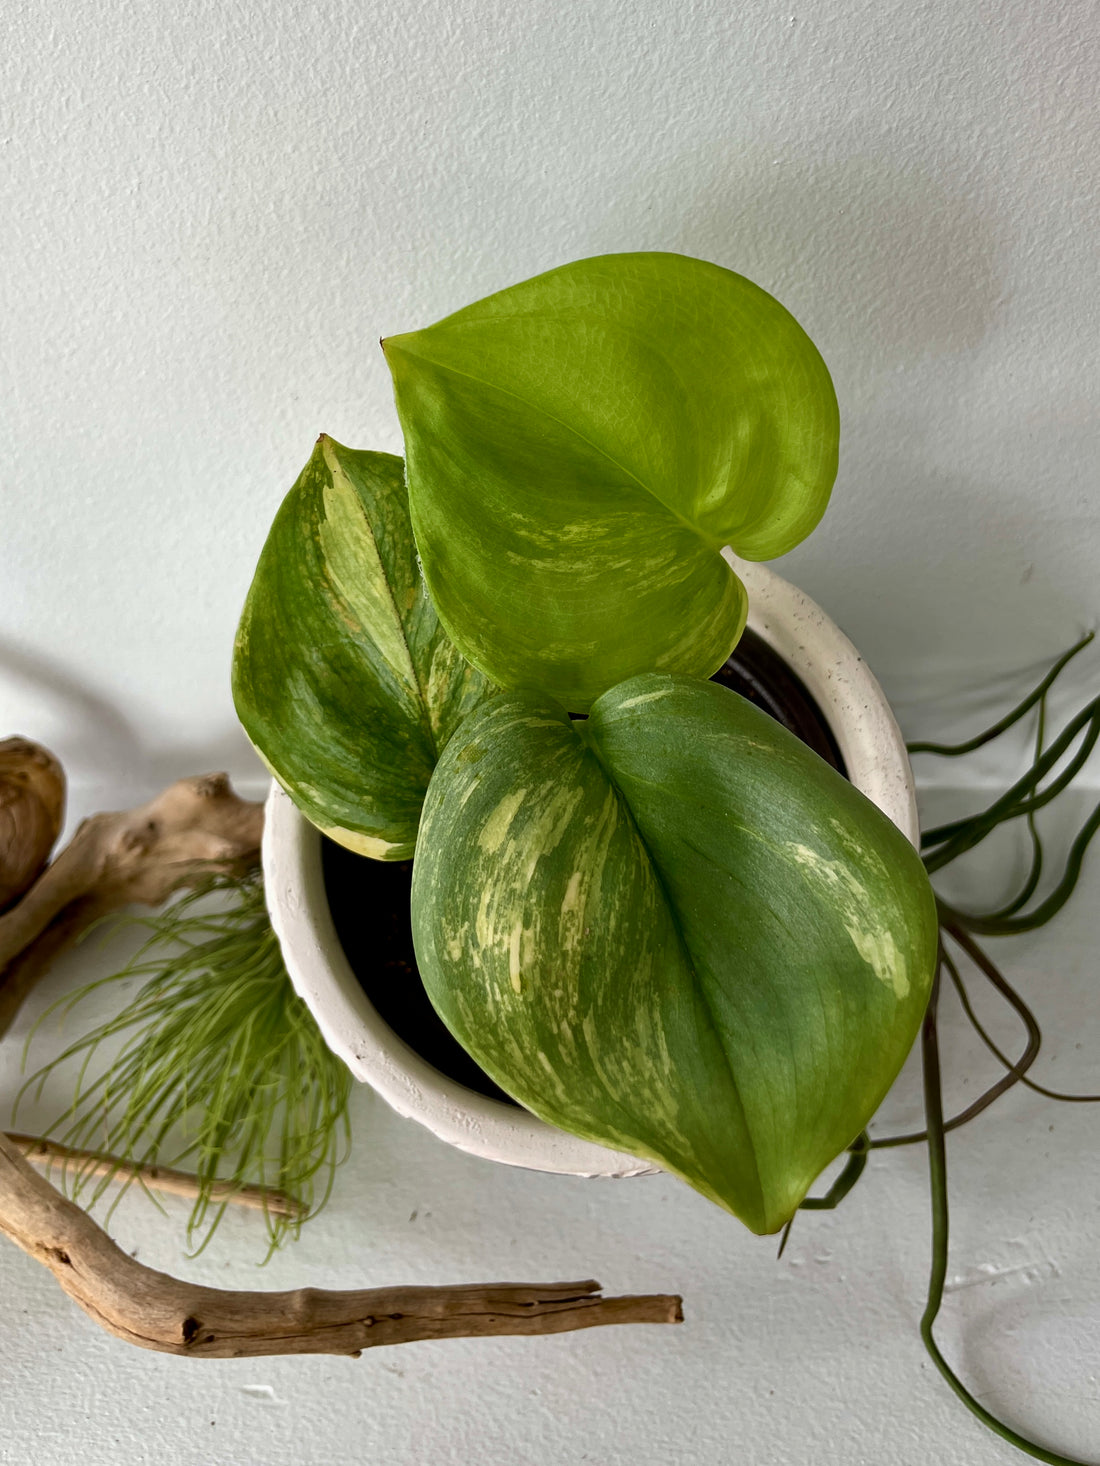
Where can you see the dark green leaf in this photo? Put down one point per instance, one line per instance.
(674, 930)
(343, 677)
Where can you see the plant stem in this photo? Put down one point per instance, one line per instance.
(937, 1170)
(40, 1150)
(954, 750)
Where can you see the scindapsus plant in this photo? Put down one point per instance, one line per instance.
(665, 926)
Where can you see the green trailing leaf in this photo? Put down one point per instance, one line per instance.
(937, 1166)
(343, 677)
(1010, 719)
(674, 930)
(944, 846)
(580, 448)
(1023, 801)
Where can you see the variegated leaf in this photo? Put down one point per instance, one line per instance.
(580, 448)
(342, 675)
(674, 930)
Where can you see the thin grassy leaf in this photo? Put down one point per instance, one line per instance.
(1001, 926)
(1018, 1070)
(1035, 870)
(959, 836)
(937, 1168)
(854, 1167)
(221, 1061)
(954, 750)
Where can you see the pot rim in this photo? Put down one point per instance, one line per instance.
(871, 744)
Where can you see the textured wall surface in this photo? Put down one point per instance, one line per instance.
(212, 211)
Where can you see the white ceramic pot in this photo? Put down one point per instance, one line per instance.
(873, 750)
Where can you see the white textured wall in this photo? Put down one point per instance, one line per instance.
(212, 211)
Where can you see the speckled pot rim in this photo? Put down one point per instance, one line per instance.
(868, 737)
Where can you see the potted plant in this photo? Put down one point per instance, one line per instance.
(383, 1029)
(650, 914)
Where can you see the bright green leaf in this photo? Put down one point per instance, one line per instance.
(581, 446)
(342, 676)
(673, 930)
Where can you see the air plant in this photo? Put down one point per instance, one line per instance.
(222, 1068)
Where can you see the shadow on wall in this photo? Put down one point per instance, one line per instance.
(43, 699)
(937, 554)
(907, 260)
(957, 577)
(228, 750)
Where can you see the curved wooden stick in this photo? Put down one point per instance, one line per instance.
(155, 1311)
(195, 828)
(42, 1151)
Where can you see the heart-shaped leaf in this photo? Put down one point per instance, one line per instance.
(580, 447)
(674, 930)
(342, 675)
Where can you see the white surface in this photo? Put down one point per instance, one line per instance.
(812, 1359)
(212, 212)
(870, 743)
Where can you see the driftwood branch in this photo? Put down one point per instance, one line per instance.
(158, 1312)
(194, 828)
(89, 1163)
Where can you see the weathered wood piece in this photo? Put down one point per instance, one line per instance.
(32, 807)
(158, 1312)
(195, 828)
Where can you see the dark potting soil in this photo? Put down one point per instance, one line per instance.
(369, 899)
